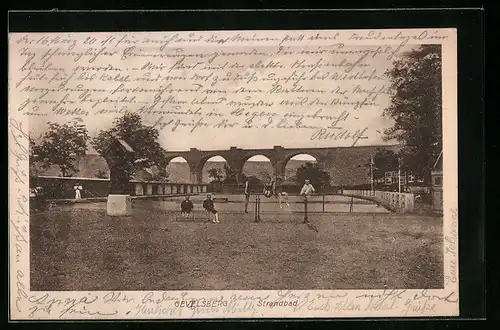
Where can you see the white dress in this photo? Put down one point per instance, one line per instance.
(78, 194)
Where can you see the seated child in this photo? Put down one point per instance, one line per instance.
(186, 207)
(208, 205)
(268, 188)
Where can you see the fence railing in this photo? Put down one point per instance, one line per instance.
(158, 188)
(62, 187)
(395, 201)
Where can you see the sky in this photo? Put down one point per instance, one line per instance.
(257, 158)
(216, 139)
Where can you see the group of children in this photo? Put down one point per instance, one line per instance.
(208, 204)
(270, 189)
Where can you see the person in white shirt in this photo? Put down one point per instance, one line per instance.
(307, 189)
(78, 191)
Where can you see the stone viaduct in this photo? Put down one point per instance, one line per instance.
(279, 157)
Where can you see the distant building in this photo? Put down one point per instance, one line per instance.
(409, 179)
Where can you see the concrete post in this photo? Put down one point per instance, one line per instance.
(139, 189)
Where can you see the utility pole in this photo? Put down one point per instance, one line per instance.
(306, 219)
(399, 174)
(323, 202)
(371, 171)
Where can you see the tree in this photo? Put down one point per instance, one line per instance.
(384, 160)
(161, 174)
(231, 175)
(264, 175)
(101, 174)
(33, 170)
(254, 182)
(142, 138)
(319, 178)
(60, 146)
(215, 174)
(416, 108)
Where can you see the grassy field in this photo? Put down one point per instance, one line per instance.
(83, 249)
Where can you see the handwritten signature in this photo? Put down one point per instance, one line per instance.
(70, 306)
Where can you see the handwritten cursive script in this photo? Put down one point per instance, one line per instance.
(316, 86)
(324, 88)
(68, 307)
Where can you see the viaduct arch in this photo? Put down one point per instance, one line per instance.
(236, 158)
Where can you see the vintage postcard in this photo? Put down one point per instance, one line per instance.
(233, 174)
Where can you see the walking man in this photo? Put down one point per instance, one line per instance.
(247, 194)
(306, 191)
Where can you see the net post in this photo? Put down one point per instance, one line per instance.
(255, 209)
(305, 209)
(258, 213)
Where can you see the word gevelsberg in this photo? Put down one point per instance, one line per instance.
(201, 303)
(281, 303)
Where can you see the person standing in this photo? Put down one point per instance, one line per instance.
(36, 202)
(208, 205)
(247, 194)
(78, 191)
(279, 193)
(307, 190)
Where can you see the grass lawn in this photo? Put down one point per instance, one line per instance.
(83, 249)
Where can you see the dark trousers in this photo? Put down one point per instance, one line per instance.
(211, 210)
(247, 201)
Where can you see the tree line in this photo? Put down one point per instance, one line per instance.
(319, 178)
(62, 144)
(416, 108)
